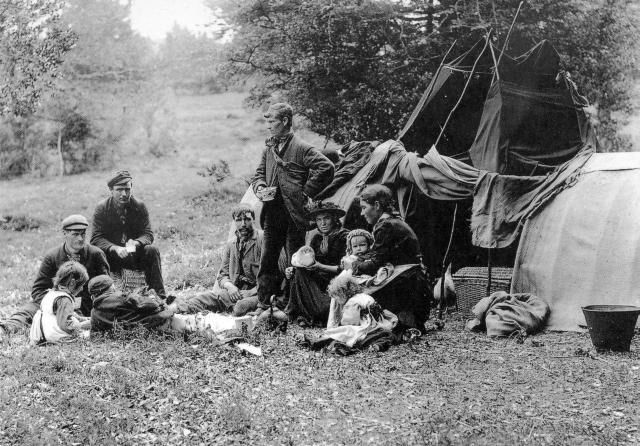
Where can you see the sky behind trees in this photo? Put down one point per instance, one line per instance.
(155, 18)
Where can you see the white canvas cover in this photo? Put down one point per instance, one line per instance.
(583, 248)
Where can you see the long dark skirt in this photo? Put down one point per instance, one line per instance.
(408, 297)
(308, 297)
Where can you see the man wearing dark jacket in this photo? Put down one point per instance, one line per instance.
(122, 230)
(74, 248)
(296, 172)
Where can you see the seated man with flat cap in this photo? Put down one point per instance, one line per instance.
(74, 229)
(121, 228)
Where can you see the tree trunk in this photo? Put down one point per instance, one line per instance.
(60, 152)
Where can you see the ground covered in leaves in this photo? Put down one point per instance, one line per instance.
(449, 387)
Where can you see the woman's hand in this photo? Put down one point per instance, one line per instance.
(288, 272)
(321, 267)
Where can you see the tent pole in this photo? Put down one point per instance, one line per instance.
(440, 66)
(496, 75)
(464, 90)
(489, 272)
(425, 96)
(444, 263)
(506, 41)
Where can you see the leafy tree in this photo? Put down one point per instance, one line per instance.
(32, 45)
(88, 117)
(187, 61)
(356, 68)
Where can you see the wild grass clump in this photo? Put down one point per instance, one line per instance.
(234, 414)
(192, 278)
(227, 191)
(19, 223)
(172, 232)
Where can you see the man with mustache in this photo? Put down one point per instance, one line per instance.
(74, 248)
(237, 274)
(121, 228)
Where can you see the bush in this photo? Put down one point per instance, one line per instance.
(19, 223)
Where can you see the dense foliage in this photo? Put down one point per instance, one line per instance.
(356, 68)
(32, 46)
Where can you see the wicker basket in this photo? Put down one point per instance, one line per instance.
(129, 279)
(471, 285)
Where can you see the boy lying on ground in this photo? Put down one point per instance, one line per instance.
(112, 307)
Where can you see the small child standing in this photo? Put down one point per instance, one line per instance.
(56, 320)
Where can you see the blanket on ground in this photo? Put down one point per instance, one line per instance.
(503, 314)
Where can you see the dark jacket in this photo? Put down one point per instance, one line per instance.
(108, 230)
(127, 310)
(395, 243)
(230, 268)
(337, 247)
(91, 258)
(300, 170)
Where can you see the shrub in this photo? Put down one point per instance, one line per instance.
(19, 223)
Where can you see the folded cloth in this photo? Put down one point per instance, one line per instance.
(360, 316)
(386, 275)
(504, 314)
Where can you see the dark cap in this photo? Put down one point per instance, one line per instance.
(77, 222)
(99, 284)
(120, 177)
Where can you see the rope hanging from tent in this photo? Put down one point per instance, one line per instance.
(444, 263)
(464, 90)
(489, 272)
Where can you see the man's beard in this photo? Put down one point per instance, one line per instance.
(245, 233)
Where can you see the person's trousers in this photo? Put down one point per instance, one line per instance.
(21, 319)
(219, 302)
(280, 231)
(147, 259)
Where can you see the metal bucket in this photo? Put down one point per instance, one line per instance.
(611, 326)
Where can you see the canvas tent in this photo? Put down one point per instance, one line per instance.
(524, 120)
(583, 247)
(530, 120)
(581, 233)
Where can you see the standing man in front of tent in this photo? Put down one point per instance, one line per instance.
(290, 172)
(121, 228)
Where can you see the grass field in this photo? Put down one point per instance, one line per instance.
(449, 387)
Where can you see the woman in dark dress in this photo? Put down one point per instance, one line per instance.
(308, 299)
(407, 295)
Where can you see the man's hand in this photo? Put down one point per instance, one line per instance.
(121, 251)
(234, 292)
(132, 245)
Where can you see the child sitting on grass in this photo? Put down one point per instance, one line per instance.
(56, 321)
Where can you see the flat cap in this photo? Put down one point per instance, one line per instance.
(120, 177)
(75, 222)
(99, 284)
